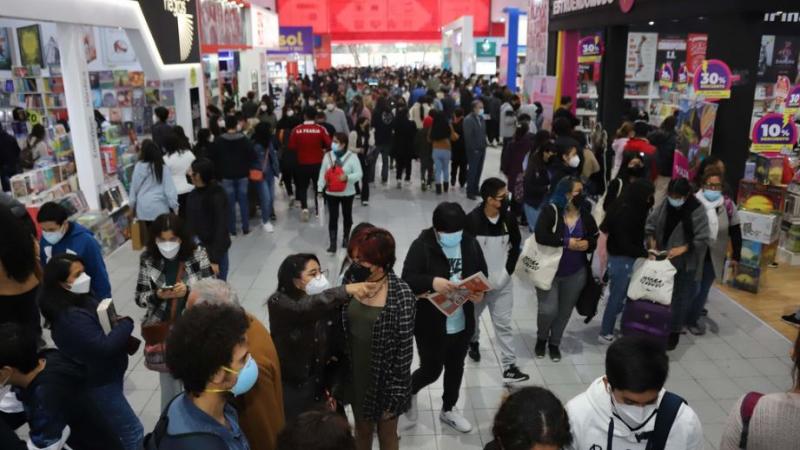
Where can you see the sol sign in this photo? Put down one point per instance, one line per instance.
(294, 40)
(773, 132)
(712, 80)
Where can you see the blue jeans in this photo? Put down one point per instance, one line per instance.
(699, 301)
(441, 165)
(264, 198)
(474, 171)
(111, 401)
(237, 193)
(620, 269)
(532, 214)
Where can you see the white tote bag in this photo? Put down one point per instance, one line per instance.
(537, 265)
(652, 280)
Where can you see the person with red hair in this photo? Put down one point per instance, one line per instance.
(380, 336)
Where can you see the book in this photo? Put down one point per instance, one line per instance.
(107, 314)
(449, 303)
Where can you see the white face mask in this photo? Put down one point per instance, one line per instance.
(81, 285)
(169, 249)
(633, 416)
(574, 162)
(221, 123)
(289, 113)
(211, 138)
(155, 118)
(264, 108)
(312, 102)
(53, 237)
(330, 106)
(317, 285)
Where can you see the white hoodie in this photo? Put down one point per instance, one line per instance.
(590, 412)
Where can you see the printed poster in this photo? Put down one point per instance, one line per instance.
(5, 49)
(544, 91)
(696, 50)
(640, 64)
(779, 55)
(669, 56)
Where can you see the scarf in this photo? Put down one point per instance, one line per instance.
(711, 212)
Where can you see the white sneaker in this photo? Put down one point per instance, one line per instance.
(605, 339)
(269, 228)
(413, 413)
(456, 421)
(305, 215)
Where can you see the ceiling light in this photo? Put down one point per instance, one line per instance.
(651, 23)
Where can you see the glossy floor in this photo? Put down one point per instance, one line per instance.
(739, 354)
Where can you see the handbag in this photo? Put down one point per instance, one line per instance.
(538, 264)
(257, 175)
(652, 280)
(155, 332)
(590, 294)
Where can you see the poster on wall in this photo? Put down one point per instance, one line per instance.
(50, 51)
(670, 54)
(544, 91)
(117, 48)
(696, 50)
(696, 129)
(30, 46)
(221, 23)
(536, 48)
(640, 62)
(89, 45)
(779, 55)
(5, 49)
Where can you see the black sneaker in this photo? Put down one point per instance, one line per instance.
(791, 320)
(672, 341)
(474, 352)
(540, 349)
(555, 353)
(513, 375)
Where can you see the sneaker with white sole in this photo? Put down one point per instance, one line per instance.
(268, 227)
(605, 339)
(305, 215)
(514, 375)
(456, 421)
(412, 414)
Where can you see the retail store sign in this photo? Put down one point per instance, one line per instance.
(561, 7)
(485, 49)
(294, 40)
(590, 49)
(173, 24)
(773, 132)
(792, 104)
(713, 80)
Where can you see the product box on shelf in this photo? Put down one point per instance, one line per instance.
(760, 227)
(754, 196)
(747, 279)
(790, 235)
(756, 254)
(791, 206)
(769, 168)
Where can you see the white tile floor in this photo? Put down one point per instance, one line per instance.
(739, 354)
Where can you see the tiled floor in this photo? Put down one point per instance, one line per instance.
(739, 354)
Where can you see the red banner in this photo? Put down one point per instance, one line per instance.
(382, 20)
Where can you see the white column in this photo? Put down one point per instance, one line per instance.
(83, 128)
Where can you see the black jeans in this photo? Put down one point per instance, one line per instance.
(458, 171)
(306, 175)
(333, 213)
(437, 353)
(403, 165)
(362, 187)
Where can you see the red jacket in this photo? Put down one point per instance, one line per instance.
(310, 141)
(643, 146)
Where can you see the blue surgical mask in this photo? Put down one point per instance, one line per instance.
(336, 146)
(247, 377)
(53, 237)
(676, 203)
(712, 196)
(450, 240)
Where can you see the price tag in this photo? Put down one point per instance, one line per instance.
(773, 132)
(712, 80)
(792, 104)
(666, 75)
(590, 49)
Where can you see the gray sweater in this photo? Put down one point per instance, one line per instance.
(774, 425)
(691, 261)
(338, 119)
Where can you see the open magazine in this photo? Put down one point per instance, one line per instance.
(449, 303)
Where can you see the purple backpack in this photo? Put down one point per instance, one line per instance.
(647, 319)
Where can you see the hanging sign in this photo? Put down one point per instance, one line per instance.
(773, 132)
(683, 77)
(294, 40)
(792, 105)
(174, 27)
(712, 80)
(486, 49)
(666, 75)
(590, 49)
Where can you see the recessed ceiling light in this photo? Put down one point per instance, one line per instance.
(651, 23)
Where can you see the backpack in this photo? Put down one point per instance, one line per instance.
(746, 411)
(333, 176)
(667, 412)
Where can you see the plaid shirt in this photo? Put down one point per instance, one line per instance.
(392, 352)
(151, 277)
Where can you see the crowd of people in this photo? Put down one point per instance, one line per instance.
(230, 382)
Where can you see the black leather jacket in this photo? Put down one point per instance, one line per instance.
(304, 331)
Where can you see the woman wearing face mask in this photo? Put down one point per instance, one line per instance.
(724, 227)
(360, 141)
(566, 162)
(152, 190)
(303, 318)
(379, 330)
(288, 159)
(536, 183)
(565, 223)
(71, 311)
(207, 215)
(170, 263)
(632, 169)
(624, 227)
(680, 228)
(342, 191)
(439, 258)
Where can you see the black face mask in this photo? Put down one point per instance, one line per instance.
(577, 201)
(505, 204)
(637, 171)
(357, 273)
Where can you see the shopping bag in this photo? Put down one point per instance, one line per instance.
(652, 280)
(138, 235)
(590, 296)
(537, 265)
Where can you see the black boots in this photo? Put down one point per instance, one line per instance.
(332, 248)
(447, 186)
(438, 188)
(345, 239)
(673, 340)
